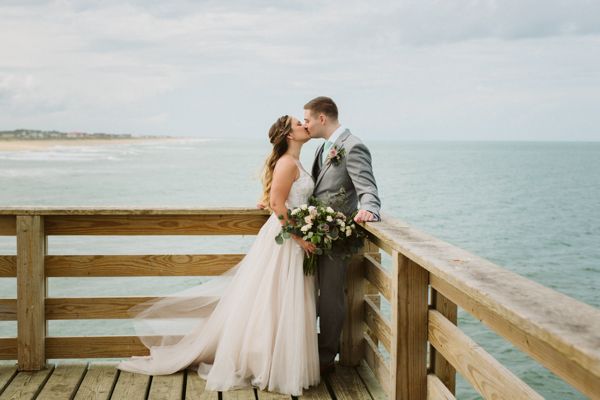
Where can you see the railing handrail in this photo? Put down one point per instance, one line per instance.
(124, 210)
(561, 333)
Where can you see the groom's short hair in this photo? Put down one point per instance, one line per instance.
(323, 105)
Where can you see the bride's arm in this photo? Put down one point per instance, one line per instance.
(284, 174)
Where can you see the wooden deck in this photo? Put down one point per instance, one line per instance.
(96, 381)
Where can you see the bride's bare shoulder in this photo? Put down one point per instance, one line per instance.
(286, 165)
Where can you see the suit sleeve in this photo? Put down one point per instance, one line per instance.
(360, 170)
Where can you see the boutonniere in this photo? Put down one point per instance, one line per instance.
(335, 155)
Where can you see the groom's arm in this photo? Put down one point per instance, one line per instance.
(360, 170)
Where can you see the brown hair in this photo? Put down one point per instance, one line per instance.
(277, 136)
(322, 105)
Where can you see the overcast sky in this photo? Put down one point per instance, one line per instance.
(446, 69)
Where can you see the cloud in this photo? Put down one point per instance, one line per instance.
(423, 60)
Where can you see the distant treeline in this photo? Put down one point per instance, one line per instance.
(31, 134)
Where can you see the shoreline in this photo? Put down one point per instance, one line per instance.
(39, 145)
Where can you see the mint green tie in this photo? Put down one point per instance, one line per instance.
(326, 148)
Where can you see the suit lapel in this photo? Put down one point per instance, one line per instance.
(340, 140)
(316, 168)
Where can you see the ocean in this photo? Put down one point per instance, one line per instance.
(531, 207)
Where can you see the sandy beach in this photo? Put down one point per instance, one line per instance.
(33, 145)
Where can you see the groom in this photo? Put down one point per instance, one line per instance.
(343, 161)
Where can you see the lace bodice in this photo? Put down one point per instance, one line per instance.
(301, 190)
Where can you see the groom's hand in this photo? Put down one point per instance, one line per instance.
(364, 216)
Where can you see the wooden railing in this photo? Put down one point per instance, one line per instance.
(32, 266)
(559, 332)
(427, 282)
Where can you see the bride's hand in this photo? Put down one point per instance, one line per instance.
(308, 247)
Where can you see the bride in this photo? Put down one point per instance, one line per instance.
(254, 325)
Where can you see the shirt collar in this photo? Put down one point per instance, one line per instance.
(336, 134)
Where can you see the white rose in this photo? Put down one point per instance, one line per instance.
(304, 207)
(329, 210)
(295, 211)
(348, 232)
(308, 219)
(329, 218)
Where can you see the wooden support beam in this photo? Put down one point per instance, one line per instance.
(408, 358)
(351, 345)
(31, 293)
(441, 368)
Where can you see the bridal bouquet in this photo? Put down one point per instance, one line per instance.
(326, 228)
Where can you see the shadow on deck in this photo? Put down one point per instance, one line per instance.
(95, 381)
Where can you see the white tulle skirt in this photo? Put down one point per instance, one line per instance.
(253, 326)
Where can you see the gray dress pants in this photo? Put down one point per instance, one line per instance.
(331, 304)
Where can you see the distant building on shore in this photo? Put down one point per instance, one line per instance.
(31, 134)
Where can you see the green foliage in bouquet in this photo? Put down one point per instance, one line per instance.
(329, 230)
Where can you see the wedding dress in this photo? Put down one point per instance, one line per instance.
(254, 325)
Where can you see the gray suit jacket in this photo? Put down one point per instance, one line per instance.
(353, 173)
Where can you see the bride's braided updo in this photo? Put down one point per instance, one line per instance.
(277, 136)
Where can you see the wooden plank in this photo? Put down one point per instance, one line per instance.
(131, 386)
(436, 390)
(167, 387)
(262, 395)
(155, 225)
(132, 211)
(8, 309)
(539, 347)
(31, 292)
(63, 382)
(8, 225)
(377, 364)
(347, 385)
(368, 377)
(377, 323)
(351, 343)
(195, 388)
(318, 392)
(490, 378)
(441, 368)
(8, 266)
(408, 355)
(384, 245)
(378, 276)
(94, 347)
(242, 394)
(8, 348)
(26, 385)
(140, 265)
(7, 373)
(98, 382)
(69, 308)
(561, 333)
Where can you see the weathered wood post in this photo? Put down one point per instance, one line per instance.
(439, 365)
(409, 303)
(31, 293)
(351, 345)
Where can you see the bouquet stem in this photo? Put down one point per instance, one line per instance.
(310, 264)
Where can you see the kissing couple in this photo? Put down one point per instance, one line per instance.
(256, 324)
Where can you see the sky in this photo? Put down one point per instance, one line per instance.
(398, 70)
